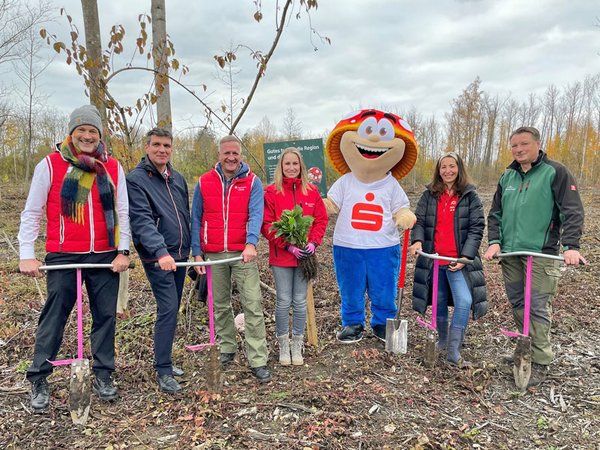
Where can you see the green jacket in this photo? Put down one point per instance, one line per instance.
(536, 211)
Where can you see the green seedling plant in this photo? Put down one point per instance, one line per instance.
(293, 227)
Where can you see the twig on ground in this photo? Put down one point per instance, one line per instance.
(297, 407)
(268, 288)
(388, 379)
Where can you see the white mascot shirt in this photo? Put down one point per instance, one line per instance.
(366, 212)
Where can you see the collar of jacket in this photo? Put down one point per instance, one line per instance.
(147, 165)
(468, 188)
(289, 182)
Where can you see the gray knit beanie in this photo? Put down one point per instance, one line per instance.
(85, 115)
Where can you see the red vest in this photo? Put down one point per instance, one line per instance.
(64, 235)
(224, 213)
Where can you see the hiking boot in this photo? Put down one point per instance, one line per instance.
(167, 383)
(227, 358)
(350, 334)
(177, 371)
(262, 374)
(104, 388)
(40, 395)
(297, 347)
(284, 350)
(379, 332)
(442, 329)
(539, 372)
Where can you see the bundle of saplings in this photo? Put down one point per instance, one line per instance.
(293, 227)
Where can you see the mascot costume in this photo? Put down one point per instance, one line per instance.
(372, 150)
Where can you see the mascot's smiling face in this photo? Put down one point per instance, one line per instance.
(373, 147)
(371, 143)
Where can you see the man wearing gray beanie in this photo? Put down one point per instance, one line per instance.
(84, 193)
(85, 115)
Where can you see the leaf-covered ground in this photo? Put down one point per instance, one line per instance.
(344, 397)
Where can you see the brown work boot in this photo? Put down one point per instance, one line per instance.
(539, 372)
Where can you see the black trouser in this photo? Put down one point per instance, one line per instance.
(102, 287)
(167, 287)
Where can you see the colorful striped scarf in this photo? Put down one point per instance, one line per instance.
(85, 168)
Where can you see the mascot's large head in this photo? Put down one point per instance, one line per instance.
(371, 143)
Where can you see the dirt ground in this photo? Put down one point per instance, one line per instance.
(344, 397)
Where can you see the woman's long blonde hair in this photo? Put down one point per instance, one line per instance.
(279, 171)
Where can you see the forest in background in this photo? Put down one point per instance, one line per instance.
(477, 127)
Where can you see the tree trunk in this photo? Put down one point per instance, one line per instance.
(160, 53)
(93, 43)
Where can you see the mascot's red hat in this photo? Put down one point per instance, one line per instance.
(352, 122)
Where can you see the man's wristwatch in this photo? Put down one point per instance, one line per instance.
(123, 252)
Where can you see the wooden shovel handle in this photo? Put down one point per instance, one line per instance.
(402, 276)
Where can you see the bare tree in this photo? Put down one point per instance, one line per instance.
(28, 68)
(292, 128)
(549, 110)
(161, 50)
(466, 122)
(17, 20)
(93, 43)
(491, 107)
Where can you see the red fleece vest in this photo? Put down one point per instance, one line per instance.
(224, 213)
(64, 235)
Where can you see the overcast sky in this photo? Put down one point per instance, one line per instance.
(393, 53)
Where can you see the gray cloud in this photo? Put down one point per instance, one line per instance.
(386, 52)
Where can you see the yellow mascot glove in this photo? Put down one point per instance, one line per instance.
(405, 218)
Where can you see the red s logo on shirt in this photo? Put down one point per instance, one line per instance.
(366, 216)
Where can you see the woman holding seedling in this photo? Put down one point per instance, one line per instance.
(450, 222)
(294, 223)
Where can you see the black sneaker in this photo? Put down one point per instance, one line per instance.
(105, 389)
(177, 371)
(538, 374)
(227, 358)
(379, 332)
(168, 384)
(40, 395)
(350, 334)
(262, 374)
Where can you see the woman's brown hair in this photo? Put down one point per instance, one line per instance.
(437, 185)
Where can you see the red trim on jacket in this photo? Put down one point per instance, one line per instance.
(224, 212)
(64, 235)
(275, 202)
(444, 242)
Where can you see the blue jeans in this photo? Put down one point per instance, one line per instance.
(291, 289)
(454, 283)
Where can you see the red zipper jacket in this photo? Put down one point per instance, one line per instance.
(275, 202)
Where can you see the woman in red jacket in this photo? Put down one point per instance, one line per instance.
(291, 188)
